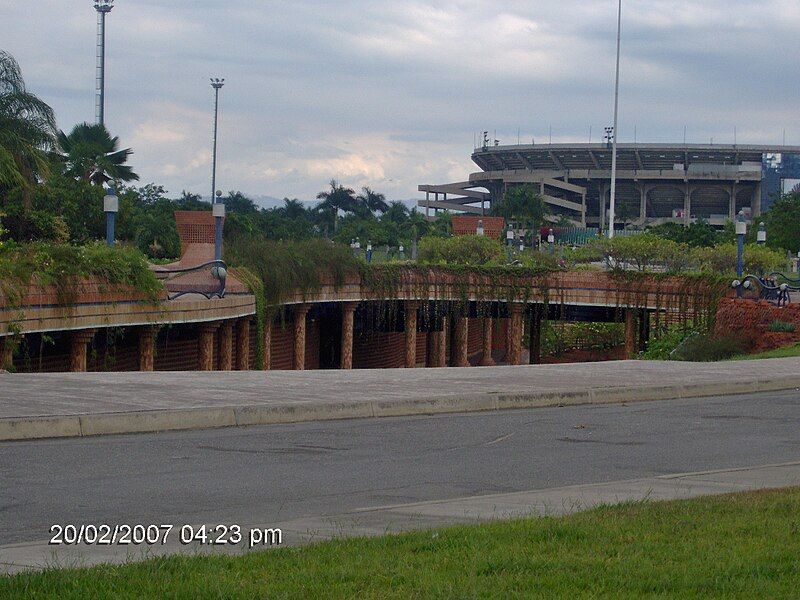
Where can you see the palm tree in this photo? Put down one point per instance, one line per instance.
(27, 131)
(91, 154)
(339, 198)
(293, 208)
(372, 201)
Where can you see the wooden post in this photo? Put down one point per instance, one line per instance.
(147, 342)
(243, 344)
(348, 313)
(630, 332)
(411, 307)
(300, 314)
(515, 351)
(486, 358)
(205, 347)
(226, 346)
(79, 340)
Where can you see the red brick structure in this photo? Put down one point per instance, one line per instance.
(195, 227)
(750, 320)
(493, 227)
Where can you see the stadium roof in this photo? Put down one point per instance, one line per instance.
(560, 157)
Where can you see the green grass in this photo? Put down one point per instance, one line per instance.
(743, 545)
(785, 352)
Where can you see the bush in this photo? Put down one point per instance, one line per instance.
(706, 348)
(470, 250)
(664, 346)
(643, 251)
(722, 259)
(782, 327)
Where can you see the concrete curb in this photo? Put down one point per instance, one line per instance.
(149, 421)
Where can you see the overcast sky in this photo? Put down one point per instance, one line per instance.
(390, 94)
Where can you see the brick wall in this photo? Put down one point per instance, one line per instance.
(751, 320)
(379, 350)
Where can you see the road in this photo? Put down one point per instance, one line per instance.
(268, 473)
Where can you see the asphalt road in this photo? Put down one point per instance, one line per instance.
(262, 474)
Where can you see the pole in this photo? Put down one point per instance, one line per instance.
(214, 151)
(614, 143)
(100, 75)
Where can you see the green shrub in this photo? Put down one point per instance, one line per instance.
(643, 251)
(663, 347)
(707, 348)
(722, 259)
(470, 250)
(782, 327)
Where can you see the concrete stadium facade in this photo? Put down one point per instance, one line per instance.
(656, 183)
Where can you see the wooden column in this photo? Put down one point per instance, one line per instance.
(267, 343)
(536, 335)
(243, 344)
(147, 344)
(79, 340)
(348, 312)
(411, 307)
(486, 358)
(460, 342)
(630, 332)
(300, 313)
(515, 327)
(226, 346)
(205, 347)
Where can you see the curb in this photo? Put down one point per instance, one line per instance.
(31, 428)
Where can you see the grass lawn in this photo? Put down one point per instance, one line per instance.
(786, 352)
(743, 545)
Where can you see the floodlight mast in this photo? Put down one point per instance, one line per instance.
(217, 85)
(616, 129)
(103, 7)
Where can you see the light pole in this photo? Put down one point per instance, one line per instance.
(551, 240)
(614, 140)
(111, 208)
(741, 231)
(761, 235)
(103, 7)
(218, 207)
(479, 230)
(218, 210)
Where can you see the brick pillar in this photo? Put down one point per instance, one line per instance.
(267, 342)
(147, 345)
(205, 347)
(411, 307)
(300, 314)
(460, 342)
(437, 346)
(515, 326)
(508, 338)
(630, 332)
(243, 344)
(536, 335)
(348, 311)
(226, 346)
(79, 340)
(6, 352)
(486, 357)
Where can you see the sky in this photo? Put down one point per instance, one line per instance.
(391, 94)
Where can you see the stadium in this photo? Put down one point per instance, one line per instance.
(656, 183)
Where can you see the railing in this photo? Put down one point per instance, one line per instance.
(768, 287)
(207, 279)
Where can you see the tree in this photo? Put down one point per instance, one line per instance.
(782, 222)
(523, 204)
(338, 198)
(27, 131)
(372, 201)
(91, 154)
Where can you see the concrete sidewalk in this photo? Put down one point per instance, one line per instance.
(80, 404)
(380, 520)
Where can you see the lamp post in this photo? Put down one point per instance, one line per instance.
(218, 210)
(479, 230)
(614, 139)
(741, 231)
(217, 85)
(111, 208)
(401, 252)
(761, 235)
(551, 240)
(103, 7)
(369, 251)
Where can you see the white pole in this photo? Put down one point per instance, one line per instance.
(614, 144)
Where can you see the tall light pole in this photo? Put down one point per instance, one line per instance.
(103, 7)
(218, 208)
(616, 129)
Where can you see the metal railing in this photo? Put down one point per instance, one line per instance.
(207, 279)
(768, 287)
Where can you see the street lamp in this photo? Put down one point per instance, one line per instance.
(741, 231)
(103, 7)
(217, 85)
(510, 236)
(111, 208)
(479, 231)
(761, 235)
(218, 210)
(401, 252)
(551, 240)
(616, 129)
(369, 252)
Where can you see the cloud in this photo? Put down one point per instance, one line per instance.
(390, 94)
